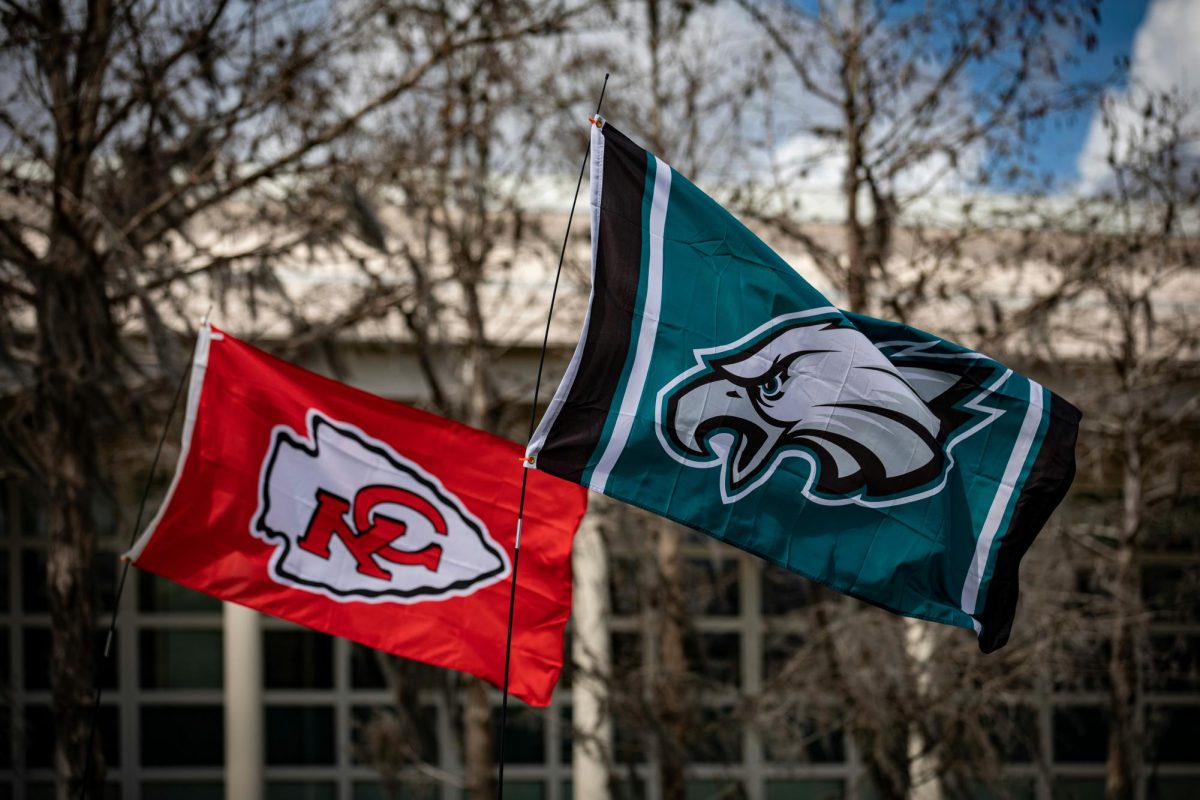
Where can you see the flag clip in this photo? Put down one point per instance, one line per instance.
(597, 120)
(530, 462)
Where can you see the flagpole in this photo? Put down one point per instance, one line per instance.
(112, 625)
(537, 385)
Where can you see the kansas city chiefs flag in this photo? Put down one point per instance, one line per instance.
(353, 515)
(714, 386)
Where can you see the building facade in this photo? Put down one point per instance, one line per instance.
(162, 715)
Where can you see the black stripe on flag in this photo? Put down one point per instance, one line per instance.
(1044, 489)
(577, 430)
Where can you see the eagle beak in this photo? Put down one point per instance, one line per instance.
(750, 451)
(699, 415)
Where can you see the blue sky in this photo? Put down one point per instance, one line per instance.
(1062, 143)
(1140, 44)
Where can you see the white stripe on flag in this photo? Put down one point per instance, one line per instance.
(204, 340)
(649, 329)
(564, 387)
(1008, 484)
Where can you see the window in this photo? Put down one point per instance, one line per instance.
(1022, 789)
(33, 581)
(296, 790)
(181, 659)
(1080, 735)
(36, 657)
(717, 657)
(364, 668)
(6, 741)
(1175, 662)
(524, 790)
(791, 739)
(405, 791)
(159, 595)
(1078, 789)
(5, 670)
(378, 733)
(806, 790)
(713, 790)
(3, 570)
(711, 587)
(37, 790)
(299, 735)
(1173, 525)
(626, 655)
(1013, 731)
(783, 591)
(566, 736)
(1160, 787)
(630, 738)
(1174, 734)
(524, 742)
(625, 589)
(180, 790)
(1089, 667)
(620, 787)
(33, 518)
(39, 734)
(1172, 590)
(182, 735)
(780, 653)
(748, 628)
(567, 675)
(297, 659)
(714, 735)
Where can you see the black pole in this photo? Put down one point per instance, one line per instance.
(112, 625)
(537, 385)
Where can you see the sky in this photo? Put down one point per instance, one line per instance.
(1162, 53)
(1140, 43)
(1158, 37)
(1063, 144)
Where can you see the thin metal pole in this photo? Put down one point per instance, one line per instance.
(537, 385)
(112, 625)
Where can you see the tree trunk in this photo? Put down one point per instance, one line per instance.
(857, 268)
(76, 356)
(672, 669)
(479, 749)
(75, 349)
(1124, 733)
(68, 580)
(67, 455)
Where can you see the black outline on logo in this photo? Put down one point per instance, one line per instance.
(869, 480)
(316, 419)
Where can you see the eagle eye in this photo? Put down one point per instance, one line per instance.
(771, 388)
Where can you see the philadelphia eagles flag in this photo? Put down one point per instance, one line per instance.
(714, 386)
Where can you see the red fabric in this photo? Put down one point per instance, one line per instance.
(219, 531)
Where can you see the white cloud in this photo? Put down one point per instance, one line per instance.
(1164, 56)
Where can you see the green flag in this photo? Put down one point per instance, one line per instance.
(714, 386)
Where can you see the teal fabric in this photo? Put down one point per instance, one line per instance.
(909, 550)
(647, 196)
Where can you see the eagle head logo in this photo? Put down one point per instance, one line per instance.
(871, 430)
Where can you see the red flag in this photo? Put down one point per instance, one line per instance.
(353, 515)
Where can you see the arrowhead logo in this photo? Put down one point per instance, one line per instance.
(353, 520)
